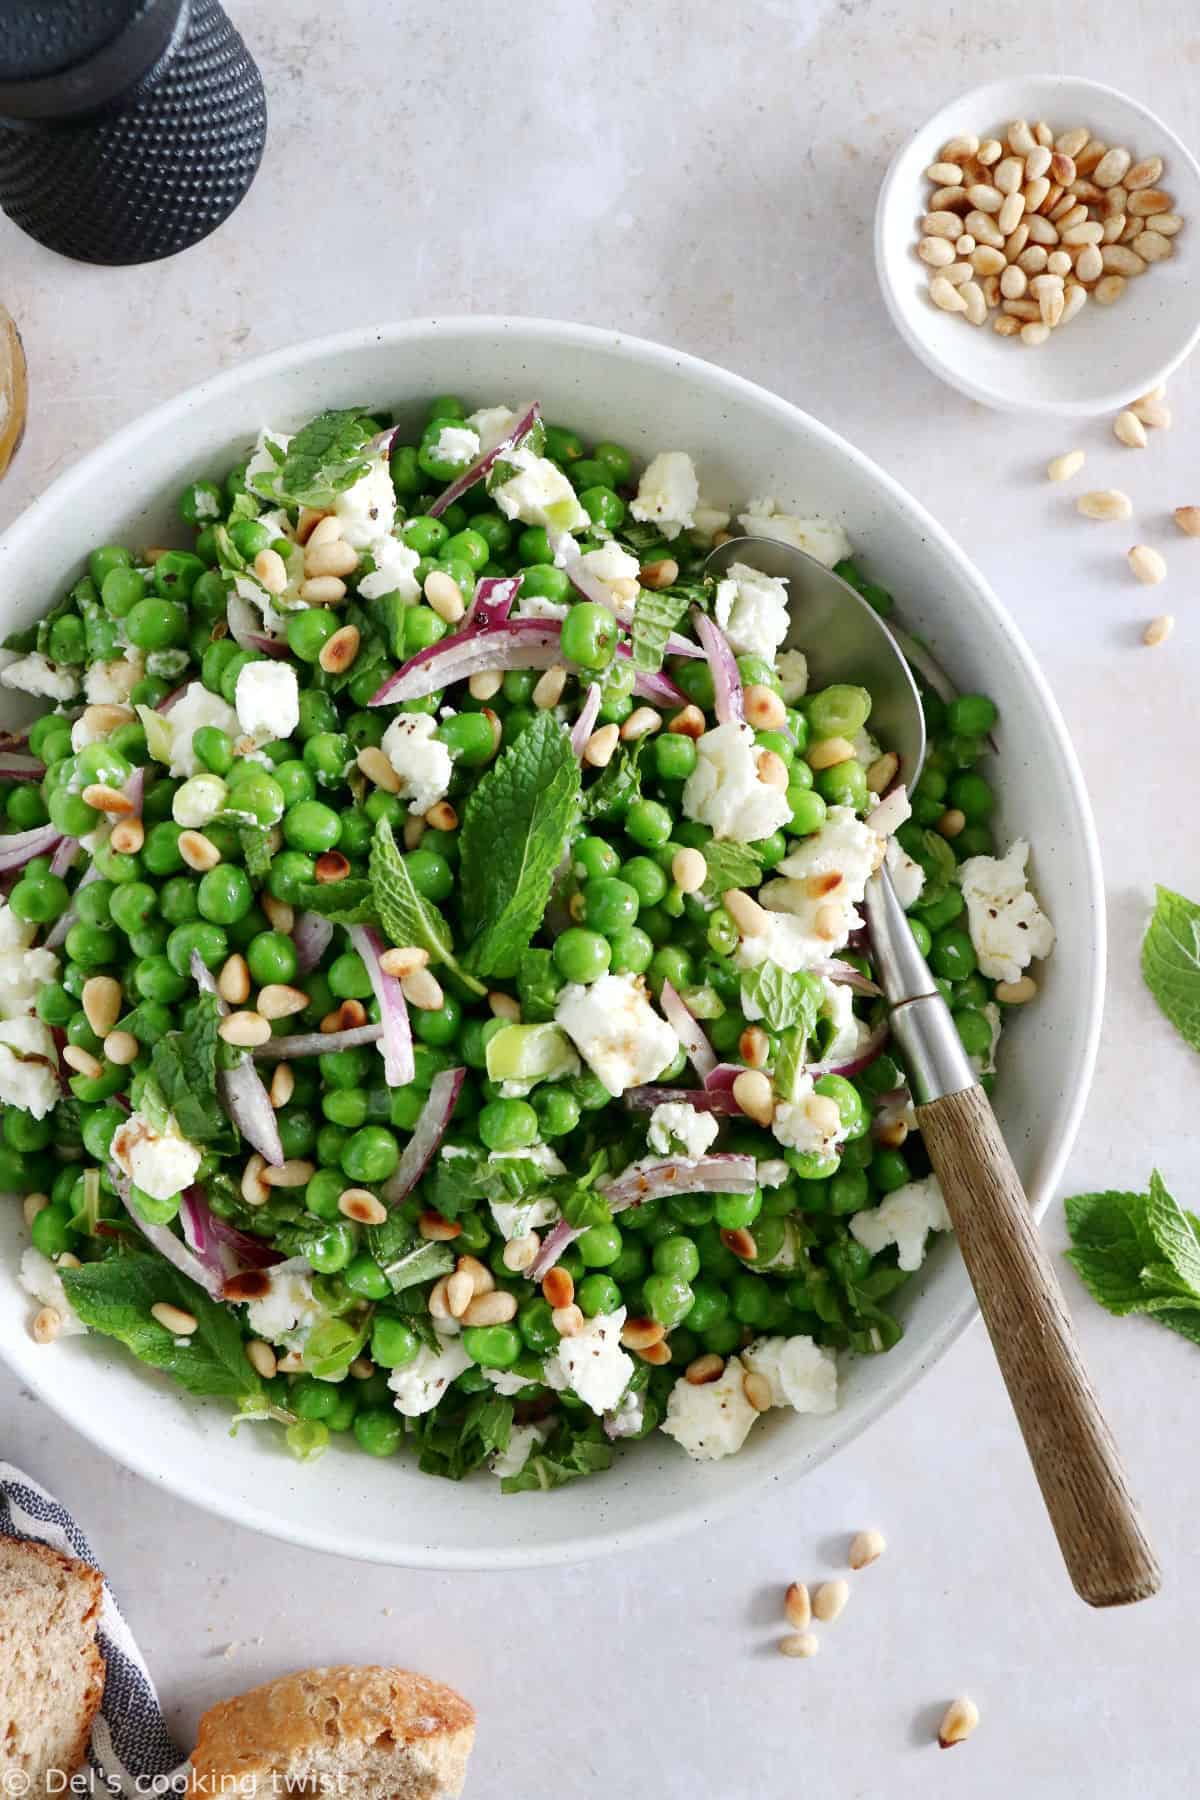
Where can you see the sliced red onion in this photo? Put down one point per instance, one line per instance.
(709, 1100)
(658, 688)
(569, 557)
(846, 975)
(311, 934)
(65, 856)
(135, 789)
(727, 683)
(276, 647)
(250, 1252)
(688, 1030)
(493, 601)
(397, 1044)
(584, 725)
(58, 931)
(862, 1058)
(22, 846)
(220, 1247)
(463, 483)
(432, 1121)
(169, 1247)
(240, 1089)
(20, 768)
(518, 644)
(722, 1078)
(554, 1243)
(723, 1173)
(316, 1043)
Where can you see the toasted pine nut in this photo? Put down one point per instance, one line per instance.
(548, 689)
(174, 1319)
(754, 1047)
(438, 1304)
(336, 558)
(459, 1293)
(1004, 325)
(816, 887)
(280, 912)
(661, 574)
(107, 799)
(331, 866)
(935, 252)
(340, 650)
(482, 1279)
(799, 1643)
(101, 1002)
(442, 817)
(1147, 565)
(952, 822)
(437, 1230)
(750, 918)
(1152, 411)
(866, 1547)
(1188, 520)
(1108, 289)
(640, 1334)
(280, 1001)
(283, 1084)
(121, 1048)
(753, 1093)
(377, 768)
(987, 261)
(703, 1369)
(1013, 210)
(271, 570)
(322, 528)
(883, 772)
(828, 752)
(1119, 259)
(32, 1205)
(598, 751)
(1128, 429)
(797, 1607)
(486, 684)
(941, 223)
(46, 1325)
(233, 982)
(764, 708)
(1159, 629)
(445, 596)
(757, 1390)
(945, 296)
(558, 1288)
(423, 990)
(1063, 467)
(657, 1355)
(82, 1061)
(323, 590)
(197, 851)
(959, 149)
(1036, 332)
(127, 837)
(771, 769)
(262, 1358)
(688, 722)
(829, 1600)
(245, 1029)
(504, 1006)
(689, 871)
(344, 1017)
(642, 722)
(404, 961)
(822, 1113)
(1104, 503)
(519, 1252)
(296, 1172)
(496, 1308)
(958, 1722)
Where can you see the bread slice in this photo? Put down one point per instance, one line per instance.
(362, 1733)
(51, 1670)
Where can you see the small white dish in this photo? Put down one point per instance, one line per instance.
(1107, 355)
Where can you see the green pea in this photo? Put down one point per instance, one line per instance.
(468, 737)
(364, 1276)
(311, 826)
(610, 905)
(543, 582)
(156, 624)
(441, 1026)
(921, 935)
(332, 1250)
(393, 1343)
(198, 937)
(371, 1154)
(973, 797)
(674, 756)
(808, 811)
(121, 590)
(51, 1231)
(177, 900)
(558, 1111)
(348, 977)
(54, 1005)
(632, 950)
(563, 446)
(492, 1346)
(507, 1125)
(600, 1246)
(668, 1298)
(91, 946)
(648, 823)
(617, 460)
(224, 894)
(975, 1031)
(379, 1432)
(589, 635)
(952, 955)
(213, 749)
(25, 807)
(971, 715)
(38, 899)
(598, 1294)
(290, 870)
(603, 506)
(271, 957)
(581, 955)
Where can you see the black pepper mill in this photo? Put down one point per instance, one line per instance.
(129, 129)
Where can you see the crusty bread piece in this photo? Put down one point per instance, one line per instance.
(362, 1733)
(51, 1670)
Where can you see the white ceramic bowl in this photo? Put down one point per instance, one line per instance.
(745, 442)
(1108, 355)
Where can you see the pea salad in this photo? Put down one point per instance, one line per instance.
(434, 1006)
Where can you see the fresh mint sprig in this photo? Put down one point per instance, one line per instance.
(1139, 1253)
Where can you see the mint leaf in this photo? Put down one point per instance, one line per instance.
(183, 1067)
(349, 902)
(453, 1439)
(1171, 962)
(655, 616)
(615, 788)
(115, 1298)
(1112, 1220)
(538, 985)
(256, 851)
(783, 1000)
(568, 1455)
(1187, 1324)
(1139, 1253)
(1174, 1234)
(514, 836)
(324, 458)
(405, 1258)
(1109, 1278)
(405, 916)
(790, 1059)
(730, 865)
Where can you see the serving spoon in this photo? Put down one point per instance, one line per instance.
(1074, 1456)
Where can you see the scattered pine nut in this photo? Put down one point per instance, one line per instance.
(640, 1334)
(703, 1369)
(444, 596)
(1147, 565)
(1129, 430)
(866, 1547)
(598, 751)
(271, 571)
(799, 1643)
(548, 690)
(1063, 467)
(1159, 630)
(245, 1029)
(46, 1325)
(323, 590)
(753, 1093)
(423, 990)
(261, 1358)
(1015, 993)
(101, 1003)
(340, 650)
(757, 1390)
(958, 1722)
(797, 1607)
(402, 962)
(121, 1048)
(1104, 503)
(435, 1229)
(1152, 410)
(499, 1307)
(829, 1600)
(283, 1084)
(1188, 520)
(173, 1318)
(689, 871)
(519, 1252)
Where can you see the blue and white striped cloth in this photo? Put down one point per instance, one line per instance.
(131, 1751)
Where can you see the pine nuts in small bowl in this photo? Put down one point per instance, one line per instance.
(1021, 344)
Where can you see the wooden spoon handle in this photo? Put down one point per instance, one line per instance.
(1074, 1457)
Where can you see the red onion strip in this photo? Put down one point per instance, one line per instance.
(240, 1089)
(316, 1043)
(688, 1030)
(862, 1059)
(720, 1174)
(432, 1121)
(22, 846)
(171, 1248)
(518, 644)
(493, 601)
(846, 975)
(65, 856)
(710, 1100)
(310, 936)
(584, 725)
(727, 683)
(20, 768)
(463, 483)
(397, 1044)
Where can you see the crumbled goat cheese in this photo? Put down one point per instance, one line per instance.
(668, 493)
(111, 683)
(752, 611)
(456, 444)
(394, 570)
(263, 463)
(714, 1420)
(1008, 928)
(801, 1373)
(848, 1030)
(368, 509)
(536, 606)
(627, 1419)
(538, 493)
(491, 425)
(708, 520)
(844, 846)
(908, 877)
(905, 1219)
(773, 1172)
(795, 1126)
(592, 1363)
(162, 1164)
(267, 698)
(617, 1032)
(522, 1440)
(23, 975)
(40, 1278)
(420, 1384)
(196, 707)
(823, 539)
(505, 1382)
(677, 1129)
(15, 934)
(28, 1066)
(516, 1217)
(724, 792)
(420, 759)
(792, 669)
(33, 674)
(286, 1313)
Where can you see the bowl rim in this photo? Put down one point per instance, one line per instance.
(921, 346)
(332, 1538)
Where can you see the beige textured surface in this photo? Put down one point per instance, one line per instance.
(51, 1673)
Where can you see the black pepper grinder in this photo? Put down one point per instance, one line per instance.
(129, 129)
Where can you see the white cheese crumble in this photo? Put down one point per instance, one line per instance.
(267, 697)
(792, 669)
(708, 520)
(724, 792)
(516, 1217)
(905, 1218)
(801, 1374)
(668, 493)
(28, 1066)
(162, 1164)
(393, 573)
(617, 1032)
(1008, 928)
(537, 606)
(111, 683)
(196, 707)
(420, 759)
(288, 1310)
(752, 611)
(714, 1420)
(677, 1129)
(908, 877)
(23, 974)
(33, 674)
(795, 1126)
(15, 934)
(522, 1440)
(368, 509)
(848, 1029)
(823, 539)
(456, 444)
(40, 1278)
(262, 462)
(491, 425)
(844, 846)
(592, 1363)
(610, 564)
(420, 1384)
(538, 493)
